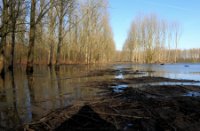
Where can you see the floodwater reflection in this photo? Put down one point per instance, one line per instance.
(174, 71)
(25, 98)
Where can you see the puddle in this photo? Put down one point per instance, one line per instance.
(192, 94)
(175, 83)
(164, 83)
(119, 76)
(119, 88)
(128, 126)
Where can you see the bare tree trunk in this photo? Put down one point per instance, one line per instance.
(3, 37)
(60, 35)
(29, 68)
(177, 36)
(13, 47)
(59, 42)
(169, 52)
(51, 54)
(51, 29)
(176, 42)
(15, 9)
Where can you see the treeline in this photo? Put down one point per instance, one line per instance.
(152, 40)
(189, 55)
(186, 55)
(54, 32)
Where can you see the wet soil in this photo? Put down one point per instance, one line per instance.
(86, 119)
(111, 71)
(145, 108)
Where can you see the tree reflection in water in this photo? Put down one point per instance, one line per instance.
(25, 98)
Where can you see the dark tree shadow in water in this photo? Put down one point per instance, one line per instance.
(58, 77)
(86, 119)
(15, 110)
(30, 79)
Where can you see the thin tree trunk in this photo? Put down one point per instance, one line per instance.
(51, 54)
(51, 29)
(176, 42)
(13, 47)
(59, 42)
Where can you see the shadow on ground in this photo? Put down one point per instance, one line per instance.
(86, 119)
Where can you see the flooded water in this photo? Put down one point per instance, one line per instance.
(184, 71)
(23, 99)
(119, 88)
(192, 94)
(175, 71)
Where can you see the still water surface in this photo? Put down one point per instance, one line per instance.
(23, 100)
(175, 71)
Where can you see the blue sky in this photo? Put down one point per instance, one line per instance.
(186, 12)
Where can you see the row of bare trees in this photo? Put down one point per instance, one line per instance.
(11, 13)
(54, 32)
(187, 55)
(151, 39)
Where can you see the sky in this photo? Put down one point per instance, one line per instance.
(185, 12)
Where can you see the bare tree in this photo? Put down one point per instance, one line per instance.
(43, 27)
(33, 23)
(52, 24)
(62, 9)
(16, 9)
(177, 32)
(4, 33)
(148, 39)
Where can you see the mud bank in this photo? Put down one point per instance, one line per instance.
(148, 107)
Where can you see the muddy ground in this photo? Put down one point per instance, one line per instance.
(174, 107)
